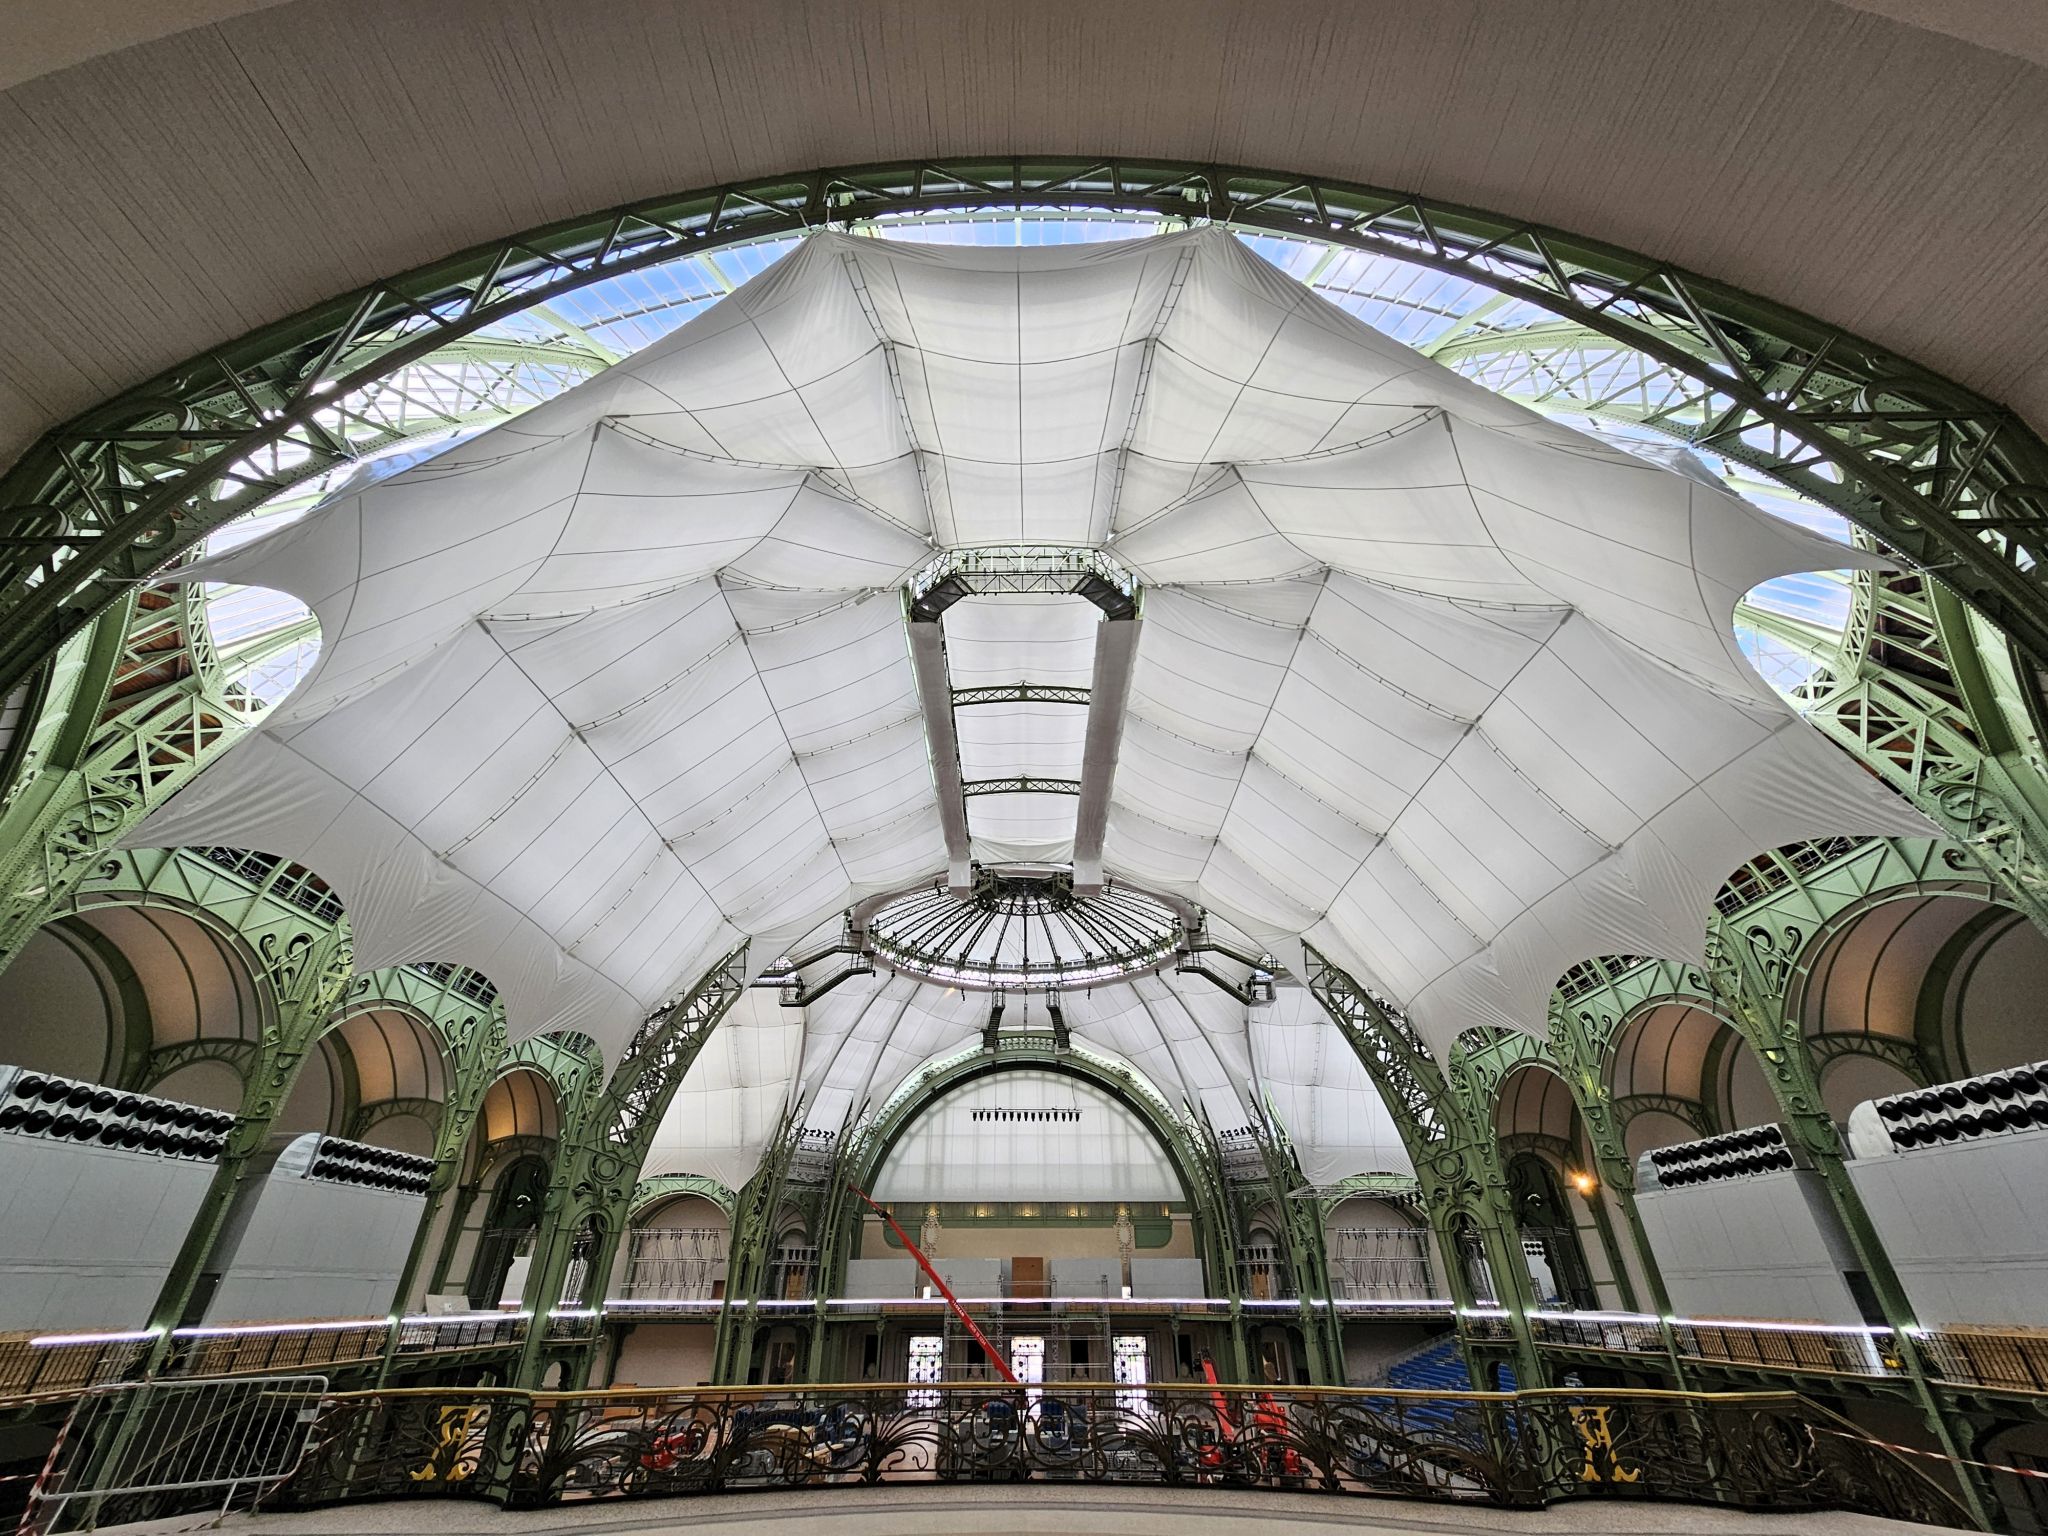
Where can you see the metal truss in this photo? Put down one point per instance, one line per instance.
(1888, 695)
(649, 1193)
(1950, 479)
(1022, 784)
(661, 1052)
(1019, 693)
(1400, 1064)
(1451, 1144)
(1035, 569)
(1023, 931)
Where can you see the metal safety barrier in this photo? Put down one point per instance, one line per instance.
(148, 1450)
(1527, 1450)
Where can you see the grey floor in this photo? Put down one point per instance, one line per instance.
(1030, 1509)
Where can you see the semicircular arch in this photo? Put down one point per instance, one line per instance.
(909, 1110)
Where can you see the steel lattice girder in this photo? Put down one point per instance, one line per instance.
(1019, 693)
(1943, 475)
(1022, 784)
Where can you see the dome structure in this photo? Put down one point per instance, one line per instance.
(1444, 688)
(928, 742)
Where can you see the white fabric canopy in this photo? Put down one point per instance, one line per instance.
(1446, 689)
(1197, 1048)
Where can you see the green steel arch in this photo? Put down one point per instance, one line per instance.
(662, 1188)
(932, 1083)
(1943, 475)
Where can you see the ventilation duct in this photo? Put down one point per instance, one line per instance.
(53, 1108)
(334, 1161)
(1743, 1154)
(1996, 1104)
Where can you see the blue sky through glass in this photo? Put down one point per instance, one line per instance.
(1415, 305)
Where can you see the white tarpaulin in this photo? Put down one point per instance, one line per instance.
(1446, 689)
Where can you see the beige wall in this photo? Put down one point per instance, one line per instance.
(987, 1240)
(664, 1355)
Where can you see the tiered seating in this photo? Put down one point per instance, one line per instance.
(1440, 1368)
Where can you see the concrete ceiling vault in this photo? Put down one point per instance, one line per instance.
(172, 175)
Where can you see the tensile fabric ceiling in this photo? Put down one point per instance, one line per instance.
(1448, 690)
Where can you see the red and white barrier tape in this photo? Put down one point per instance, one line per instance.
(1914, 1450)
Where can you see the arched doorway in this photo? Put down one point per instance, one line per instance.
(1544, 1145)
(395, 1069)
(504, 1189)
(147, 998)
(1678, 1072)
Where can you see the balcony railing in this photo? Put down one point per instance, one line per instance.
(1970, 1357)
(2010, 1362)
(66, 1364)
(58, 1364)
(1499, 1449)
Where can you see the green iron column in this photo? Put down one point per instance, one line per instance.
(1581, 1044)
(1457, 1161)
(1225, 1237)
(1749, 966)
(1580, 1055)
(746, 1268)
(600, 1156)
(1307, 1255)
(835, 1226)
(477, 1049)
(307, 972)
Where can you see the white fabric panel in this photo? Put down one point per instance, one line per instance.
(1322, 1096)
(731, 1101)
(1447, 689)
(992, 641)
(1102, 1153)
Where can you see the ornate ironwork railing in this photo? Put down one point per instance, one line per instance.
(1758, 1450)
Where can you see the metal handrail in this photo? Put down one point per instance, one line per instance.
(1525, 1450)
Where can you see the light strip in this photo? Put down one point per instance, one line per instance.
(234, 1330)
(452, 1318)
(56, 1340)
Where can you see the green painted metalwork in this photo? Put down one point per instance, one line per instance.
(649, 1193)
(1400, 1189)
(1750, 969)
(605, 1137)
(1946, 477)
(1450, 1144)
(133, 751)
(1284, 1198)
